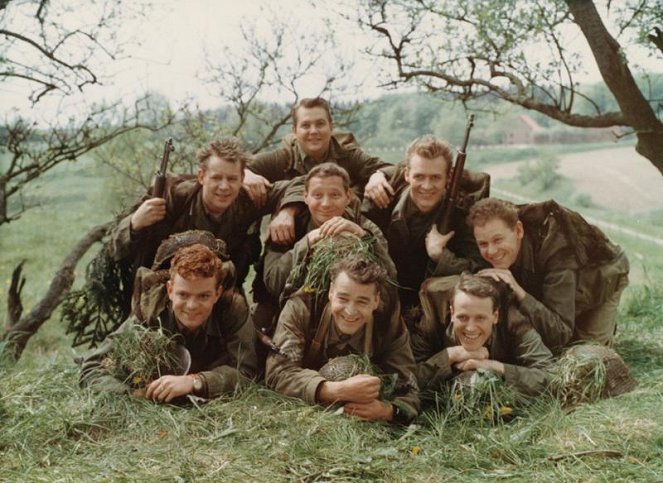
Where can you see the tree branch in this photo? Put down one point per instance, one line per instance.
(20, 333)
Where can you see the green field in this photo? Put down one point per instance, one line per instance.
(50, 430)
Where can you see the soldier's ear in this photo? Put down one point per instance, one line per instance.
(496, 314)
(169, 289)
(520, 230)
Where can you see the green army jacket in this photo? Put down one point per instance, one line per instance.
(409, 251)
(185, 211)
(289, 162)
(222, 352)
(297, 375)
(527, 361)
(559, 290)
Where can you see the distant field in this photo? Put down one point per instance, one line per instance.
(616, 178)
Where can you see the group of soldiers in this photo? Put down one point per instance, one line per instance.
(506, 289)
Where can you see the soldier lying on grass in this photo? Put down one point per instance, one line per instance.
(475, 333)
(354, 319)
(196, 307)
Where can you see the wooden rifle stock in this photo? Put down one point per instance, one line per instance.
(451, 197)
(160, 176)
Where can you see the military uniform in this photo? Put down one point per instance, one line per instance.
(527, 361)
(385, 339)
(290, 161)
(185, 211)
(568, 300)
(222, 350)
(405, 228)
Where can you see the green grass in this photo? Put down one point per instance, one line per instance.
(50, 430)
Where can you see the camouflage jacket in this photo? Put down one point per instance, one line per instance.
(289, 162)
(409, 252)
(185, 211)
(527, 361)
(559, 288)
(297, 374)
(222, 351)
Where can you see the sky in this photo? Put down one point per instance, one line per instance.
(170, 47)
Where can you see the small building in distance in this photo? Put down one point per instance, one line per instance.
(523, 131)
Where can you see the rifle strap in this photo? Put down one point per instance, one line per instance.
(314, 347)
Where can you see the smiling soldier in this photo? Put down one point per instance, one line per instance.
(312, 142)
(198, 307)
(567, 277)
(477, 332)
(409, 221)
(212, 201)
(356, 319)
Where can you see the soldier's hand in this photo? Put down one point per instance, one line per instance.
(314, 236)
(436, 242)
(458, 354)
(474, 364)
(361, 388)
(282, 227)
(148, 213)
(256, 187)
(504, 275)
(378, 190)
(167, 388)
(338, 224)
(375, 410)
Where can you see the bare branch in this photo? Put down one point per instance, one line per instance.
(18, 335)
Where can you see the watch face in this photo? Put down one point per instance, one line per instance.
(197, 384)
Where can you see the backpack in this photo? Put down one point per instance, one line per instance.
(589, 245)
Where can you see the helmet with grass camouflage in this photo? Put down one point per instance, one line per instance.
(618, 379)
(343, 367)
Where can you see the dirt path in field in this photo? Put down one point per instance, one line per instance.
(616, 178)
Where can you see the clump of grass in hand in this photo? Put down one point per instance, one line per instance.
(141, 355)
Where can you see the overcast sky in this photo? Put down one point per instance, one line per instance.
(171, 44)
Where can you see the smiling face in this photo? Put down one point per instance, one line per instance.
(313, 130)
(326, 197)
(352, 303)
(428, 180)
(193, 299)
(498, 244)
(221, 181)
(473, 319)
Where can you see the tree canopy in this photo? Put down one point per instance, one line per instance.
(526, 53)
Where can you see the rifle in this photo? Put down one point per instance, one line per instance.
(451, 197)
(160, 175)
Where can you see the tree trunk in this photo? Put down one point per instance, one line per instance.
(18, 335)
(617, 76)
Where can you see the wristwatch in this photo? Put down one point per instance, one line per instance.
(197, 384)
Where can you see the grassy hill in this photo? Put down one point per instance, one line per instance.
(50, 430)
